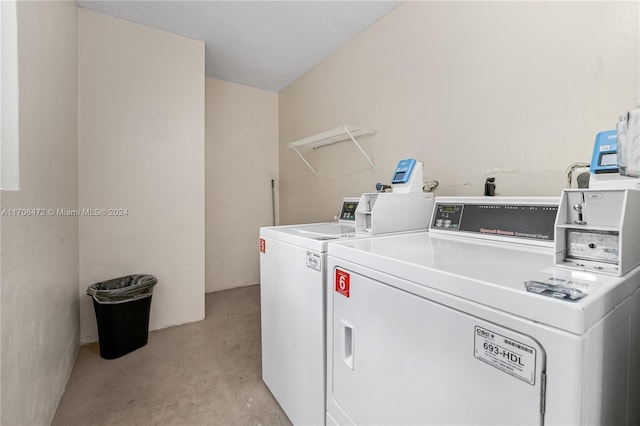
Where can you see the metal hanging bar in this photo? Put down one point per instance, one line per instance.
(303, 159)
(373, 166)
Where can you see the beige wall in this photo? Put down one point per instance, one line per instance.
(241, 159)
(141, 148)
(40, 324)
(515, 90)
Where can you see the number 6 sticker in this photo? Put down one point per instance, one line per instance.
(342, 282)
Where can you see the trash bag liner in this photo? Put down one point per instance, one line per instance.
(123, 289)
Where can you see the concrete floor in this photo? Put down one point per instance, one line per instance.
(204, 373)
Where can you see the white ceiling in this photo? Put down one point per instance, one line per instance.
(264, 44)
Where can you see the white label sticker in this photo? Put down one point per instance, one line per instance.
(509, 355)
(313, 261)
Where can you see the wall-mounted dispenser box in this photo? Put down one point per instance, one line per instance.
(598, 230)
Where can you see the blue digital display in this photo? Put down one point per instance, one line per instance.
(403, 171)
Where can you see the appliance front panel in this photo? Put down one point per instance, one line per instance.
(402, 359)
(292, 297)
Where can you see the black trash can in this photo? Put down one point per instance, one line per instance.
(122, 307)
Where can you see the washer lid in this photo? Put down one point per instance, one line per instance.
(314, 236)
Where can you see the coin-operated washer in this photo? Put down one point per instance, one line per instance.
(485, 320)
(293, 280)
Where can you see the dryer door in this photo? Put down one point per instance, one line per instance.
(402, 359)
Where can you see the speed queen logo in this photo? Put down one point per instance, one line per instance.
(342, 282)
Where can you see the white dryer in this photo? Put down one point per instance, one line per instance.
(472, 324)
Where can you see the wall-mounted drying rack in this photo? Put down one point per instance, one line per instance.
(329, 137)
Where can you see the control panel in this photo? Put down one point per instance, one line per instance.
(506, 218)
(348, 211)
(447, 216)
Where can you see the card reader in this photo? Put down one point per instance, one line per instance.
(403, 171)
(605, 153)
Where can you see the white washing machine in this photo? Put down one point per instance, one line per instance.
(473, 324)
(292, 294)
(292, 299)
